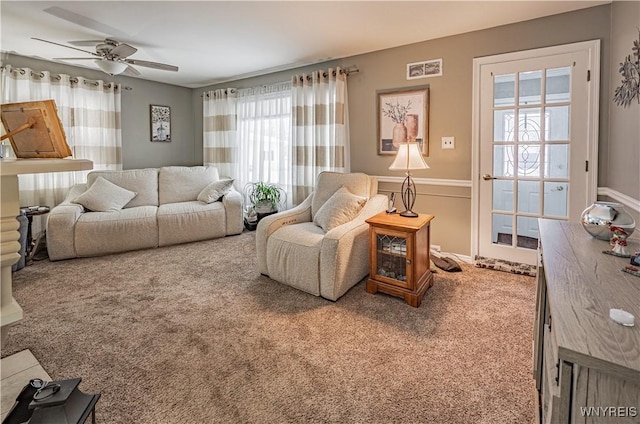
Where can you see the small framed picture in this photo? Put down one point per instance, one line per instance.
(403, 115)
(424, 69)
(160, 123)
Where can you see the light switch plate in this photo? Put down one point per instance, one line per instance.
(448, 142)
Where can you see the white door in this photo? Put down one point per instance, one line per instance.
(535, 145)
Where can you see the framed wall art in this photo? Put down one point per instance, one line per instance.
(403, 115)
(424, 69)
(160, 123)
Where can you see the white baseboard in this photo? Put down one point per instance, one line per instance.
(463, 258)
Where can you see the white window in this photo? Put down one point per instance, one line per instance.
(264, 135)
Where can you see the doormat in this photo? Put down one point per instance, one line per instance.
(507, 266)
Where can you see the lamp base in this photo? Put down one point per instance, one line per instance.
(409, 214)
(408, 196)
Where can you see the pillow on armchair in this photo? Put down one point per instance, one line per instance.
(339, 209)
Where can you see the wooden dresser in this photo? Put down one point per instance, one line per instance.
(586, 366)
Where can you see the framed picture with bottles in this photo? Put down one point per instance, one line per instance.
(403, 115)
(160, 123)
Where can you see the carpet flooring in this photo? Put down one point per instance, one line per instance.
(194, 334)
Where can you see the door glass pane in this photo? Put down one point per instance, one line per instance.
(555, 198)
(558, 85)
(556, 161)
(557, 123)
(503, 195)
(504, 87)
(503, 125)
(503, 161)
(502, 228)
(527, 232)
(529, 196)
(529, 125)
(529, 160)
(530, 87)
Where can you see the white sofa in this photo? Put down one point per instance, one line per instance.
(322, 245)
(164, 211)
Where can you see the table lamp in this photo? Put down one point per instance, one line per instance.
(408, 157)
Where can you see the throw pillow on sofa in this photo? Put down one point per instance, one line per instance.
(339, 209)
(104, 196)
(214, 191)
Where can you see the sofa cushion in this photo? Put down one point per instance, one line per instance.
(330, 182)
(141, 181)
(101, 233)
(339, 209)
(184, 183)
(190, 221)
(104, 196)
(293, 256)
(214, 191)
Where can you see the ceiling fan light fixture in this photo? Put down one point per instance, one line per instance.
(111, 67)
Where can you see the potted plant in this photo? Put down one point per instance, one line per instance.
(261, 199)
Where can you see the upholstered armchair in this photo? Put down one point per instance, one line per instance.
(322, 245)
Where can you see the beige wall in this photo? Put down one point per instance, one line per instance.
(624, 122)
(450, 106)
(623, 153)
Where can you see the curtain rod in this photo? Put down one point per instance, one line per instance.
(73, 80)
(346, 71)
(351, 70)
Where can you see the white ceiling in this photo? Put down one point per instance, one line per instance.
(216, 41)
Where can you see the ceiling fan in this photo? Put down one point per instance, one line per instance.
(112, 56)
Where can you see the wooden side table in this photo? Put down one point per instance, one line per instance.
(399, 249)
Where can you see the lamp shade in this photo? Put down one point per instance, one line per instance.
(408, 157)
(111, 67)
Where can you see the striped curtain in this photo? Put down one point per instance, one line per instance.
(90, 115)
(320, 138)
(219, 138)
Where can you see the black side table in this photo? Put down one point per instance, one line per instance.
(68, 405)
(30, 212)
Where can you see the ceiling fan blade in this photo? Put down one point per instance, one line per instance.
(69, 47)
(123, 50)
(85, 42)
(154, 65)
(83, 21)
(131, 71)
(74, 58)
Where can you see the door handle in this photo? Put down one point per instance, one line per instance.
(488, 177)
